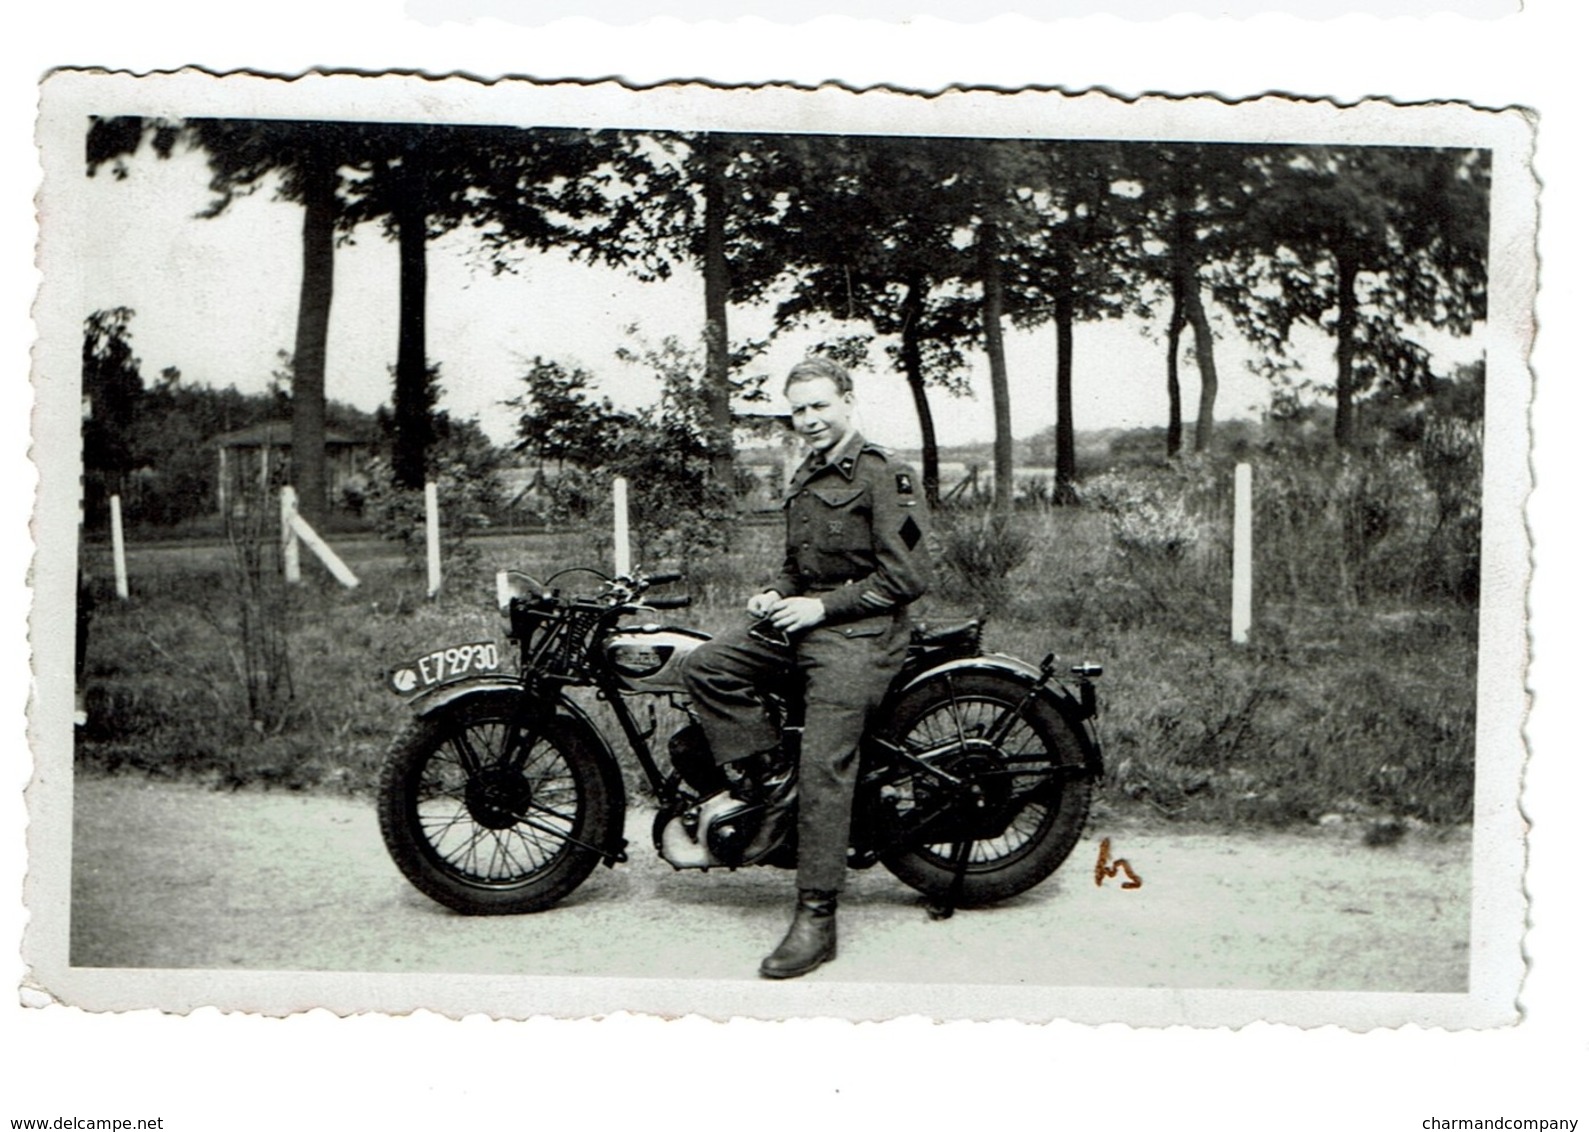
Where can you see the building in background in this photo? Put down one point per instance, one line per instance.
(258, 459)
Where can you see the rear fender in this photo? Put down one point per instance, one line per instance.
(510, 690)
(1054, 697)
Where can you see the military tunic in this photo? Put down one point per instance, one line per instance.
(857, 541)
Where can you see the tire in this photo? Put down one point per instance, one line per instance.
(1030, 822)
(508, 841)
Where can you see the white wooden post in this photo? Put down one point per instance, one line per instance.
(290, 568)
(294, 529)
(1241, 564)
(339, 569)
(118, 547)
(220, 482)
(432, 539)
(620, 526)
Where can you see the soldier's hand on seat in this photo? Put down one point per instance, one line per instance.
(791, 614)
(759, 604)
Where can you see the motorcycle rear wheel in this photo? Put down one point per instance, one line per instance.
(504, 841)
(1031, 795)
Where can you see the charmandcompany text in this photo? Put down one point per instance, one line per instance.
(1501, 1123)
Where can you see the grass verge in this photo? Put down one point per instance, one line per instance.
(1362, 708)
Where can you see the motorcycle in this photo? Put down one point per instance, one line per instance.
(502, 795)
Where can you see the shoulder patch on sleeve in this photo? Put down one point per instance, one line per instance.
(903, 483)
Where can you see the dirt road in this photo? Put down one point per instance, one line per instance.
(183, 877)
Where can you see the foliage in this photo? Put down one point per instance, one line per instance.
(560, 420)
(1399, 518)
(113, 389)
(258, 644)
(980, 551)
(1362, 711)
(1365, 243)
(680, 509)
(464, 466)
(914, 239)
(1149, 513)
(169, 442)
(303, 160)
(1165, 529)
(1450, 453)
(679, 506)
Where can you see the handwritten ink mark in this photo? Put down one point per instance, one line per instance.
(1105, 869)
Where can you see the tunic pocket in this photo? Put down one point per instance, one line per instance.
(840, 516)
(838, 496)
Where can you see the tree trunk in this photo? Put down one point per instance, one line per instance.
(910, 353)
(1345, 350)
(412, 396)
(1172, 435)
(319, 180)
(1064, 369)
(993, 331)
(714, 267)
(1203, 344)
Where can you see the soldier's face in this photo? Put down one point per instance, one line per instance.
(821, 414)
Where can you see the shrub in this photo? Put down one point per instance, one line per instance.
(1450, 455)
(1167, 540)
(1352, 527)
(463, 466)
(259, 636)
(1149, 513)
(980, 550)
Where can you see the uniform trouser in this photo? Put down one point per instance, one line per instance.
(846, 670)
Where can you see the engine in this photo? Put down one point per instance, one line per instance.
(710, 834)
(714, 832)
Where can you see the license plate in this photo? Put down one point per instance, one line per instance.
(443, 666)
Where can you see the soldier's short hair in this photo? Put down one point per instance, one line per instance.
(818, 365)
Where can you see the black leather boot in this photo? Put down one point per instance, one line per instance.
(812, 939)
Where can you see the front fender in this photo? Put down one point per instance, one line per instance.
(510, 689)
(1056, 697)
(429, 703)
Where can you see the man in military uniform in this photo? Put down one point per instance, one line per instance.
(856, 558)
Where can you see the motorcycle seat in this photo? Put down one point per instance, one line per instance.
(965, 632)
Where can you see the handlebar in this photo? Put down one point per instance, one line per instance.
(678, 602)
(621, 591)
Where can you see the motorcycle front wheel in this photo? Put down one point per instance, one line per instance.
(488, 822)
(1012, 800)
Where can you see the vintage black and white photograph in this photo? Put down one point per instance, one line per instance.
(779, 552)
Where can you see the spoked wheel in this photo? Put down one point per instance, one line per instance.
(989, 781)
(489, 822)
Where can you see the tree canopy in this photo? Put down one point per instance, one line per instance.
(933, 246)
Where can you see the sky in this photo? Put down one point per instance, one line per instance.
(217, 298)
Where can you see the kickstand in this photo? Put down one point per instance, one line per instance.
(945, 909)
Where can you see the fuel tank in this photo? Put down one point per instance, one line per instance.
(649, 658)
